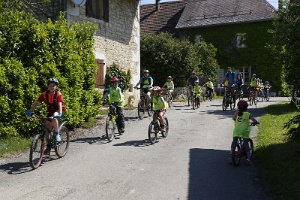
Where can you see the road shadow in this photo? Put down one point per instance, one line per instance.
(212, 177)
(15, 168)
(135, 143)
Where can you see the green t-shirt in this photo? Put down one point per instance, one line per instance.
(242, 126)
(197, 90)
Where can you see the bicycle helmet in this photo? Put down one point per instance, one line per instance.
(52, 80)
(267, 82)
(169, 77)
(209, 79)
(196, 81)
(146, 71)
(253, 74)
(157, 88)
(242, 104)
(114, 79)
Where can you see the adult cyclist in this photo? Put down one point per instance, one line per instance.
(191, 83)
(230, 76)
(146, 83)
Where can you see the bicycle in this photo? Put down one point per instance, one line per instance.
(260, 95)
(266, 94)
(207, 94)
(168, 97)
(228, 100)
(252, 98)
(239, 93)
(196, 101)
(239, 151)
(155, 127)
(142, 105)
(40, 141)
(110, 123)
(190, 94)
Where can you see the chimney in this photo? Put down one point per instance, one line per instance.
(157, 5)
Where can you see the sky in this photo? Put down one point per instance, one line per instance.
(272, 2)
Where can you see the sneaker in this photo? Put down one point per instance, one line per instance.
(57, 137)
(122, 130)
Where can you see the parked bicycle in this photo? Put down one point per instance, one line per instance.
(46, 138)
(154, 128)
(228, 100)
(168, 97)
(142, 105)
(239, 150)
(110, 124)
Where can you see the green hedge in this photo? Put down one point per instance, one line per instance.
(33, 51)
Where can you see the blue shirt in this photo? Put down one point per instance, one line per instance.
(192, 80)
(230, 77)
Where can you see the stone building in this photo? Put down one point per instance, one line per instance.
(117, 39)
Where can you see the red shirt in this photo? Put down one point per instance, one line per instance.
(52, 108)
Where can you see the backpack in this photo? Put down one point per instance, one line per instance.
(54, 99)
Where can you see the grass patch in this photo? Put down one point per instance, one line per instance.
(13, 145)
(278, 151)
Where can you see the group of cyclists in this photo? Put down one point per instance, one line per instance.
(54, 99)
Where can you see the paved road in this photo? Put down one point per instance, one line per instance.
(191, 163)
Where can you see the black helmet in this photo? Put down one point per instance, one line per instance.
(52, 80)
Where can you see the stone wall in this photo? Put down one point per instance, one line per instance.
(118, 40)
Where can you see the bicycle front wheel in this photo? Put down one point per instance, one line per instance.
(153, 130)
(110, 128)
(36, 152)
(235, 158)
(141, 111)
(165, 133)
(62, 147)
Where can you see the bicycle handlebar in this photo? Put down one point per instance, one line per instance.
(254, 124)
(41, 117)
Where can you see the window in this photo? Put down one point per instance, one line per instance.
(246, 73)
(239, 39)
(98, 9)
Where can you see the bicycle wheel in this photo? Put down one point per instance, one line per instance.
(36, 152)
(141, 111)
(153, 130)
(235, 158)
(165, 133)
(193, 103)
(110, 128)
(224, 104)
(251, 147)
(150, 110)
(62, 147)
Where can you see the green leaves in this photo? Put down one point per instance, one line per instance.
(33, 51)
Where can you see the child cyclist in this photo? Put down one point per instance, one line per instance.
(197, 91)
(169, 85)
(115, 96)
(159, 106)
(242, 127)
(209, 88)
(54, 100)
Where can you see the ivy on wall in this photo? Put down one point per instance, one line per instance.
(255, 54)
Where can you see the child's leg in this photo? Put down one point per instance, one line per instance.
(246, 145)
(233, 144)
(120, 119)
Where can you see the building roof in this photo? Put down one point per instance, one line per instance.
(163, 20)
(201, 13)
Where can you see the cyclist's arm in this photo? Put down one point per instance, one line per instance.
(164, 103)
(121, 96)
(164, 85)
(35, 105)
(253, 119)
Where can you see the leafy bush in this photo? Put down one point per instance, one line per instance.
(124, 78)
(33, 51)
